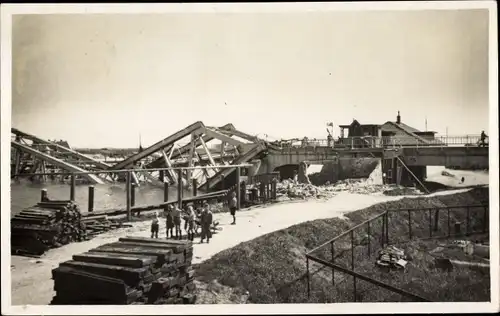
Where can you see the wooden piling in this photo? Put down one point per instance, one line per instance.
(165, 193)
(127, 189)
(43, 195)
(161, 177)
(132, 194)
(72, 189)
(195, 187)
(91, 198)
(274, 193)
(238, 188)
(179, 188)
(243, 193)
(262, 191)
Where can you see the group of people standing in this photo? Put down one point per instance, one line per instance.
(192, 219)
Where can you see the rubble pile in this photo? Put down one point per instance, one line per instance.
(133, 270)
(392, 257)
(46, 225)
(293, 189)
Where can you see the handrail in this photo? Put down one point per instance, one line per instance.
(368, 279)
(391, 210)
(386, 141)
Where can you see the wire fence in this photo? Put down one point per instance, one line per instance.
(350, 256)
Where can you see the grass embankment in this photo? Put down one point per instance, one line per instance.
(272, 267)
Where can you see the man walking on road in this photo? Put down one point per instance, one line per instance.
(206, 220)
(233, 206)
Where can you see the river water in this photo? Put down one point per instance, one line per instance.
(106, 196)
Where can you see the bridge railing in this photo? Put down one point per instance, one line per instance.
(388, 141)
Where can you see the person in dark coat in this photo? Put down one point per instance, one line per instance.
(206, 220)
(170, 221)
(483, 139)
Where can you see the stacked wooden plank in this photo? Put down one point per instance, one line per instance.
(51, 224)
(133, 270)
(46, 225)
(98, 224)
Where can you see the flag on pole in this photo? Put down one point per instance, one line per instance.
(329, 124)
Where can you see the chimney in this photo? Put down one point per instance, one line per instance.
(398, 118)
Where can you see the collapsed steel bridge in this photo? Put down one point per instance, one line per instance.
(188, 147)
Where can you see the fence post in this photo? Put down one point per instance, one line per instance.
(332, 250)
(467, 222)
(43, 195)
(72, 189)
(179, 188)
(430, 223)
(127, 189)
(354, 288)
(387, 227)
(449, 228)
(436, 220)
(352, 250)
(369, 238)
(132, 194)
(308, 279)
(382, 235)
(409, 223)
(485, 219)
(91, 198)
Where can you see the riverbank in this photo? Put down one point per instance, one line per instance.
(31, 278)
(272, 268)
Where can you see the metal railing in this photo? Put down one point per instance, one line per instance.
(389, 141)
(364, 240)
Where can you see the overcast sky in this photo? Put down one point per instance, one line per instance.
(100, 80)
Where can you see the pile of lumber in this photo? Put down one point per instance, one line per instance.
(52, 224)
(133, 270)
(99, 224)
(46, 225)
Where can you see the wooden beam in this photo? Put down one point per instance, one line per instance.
(222, 137)
(169, 165)
(159, 145)
(210, 158)
(192, 148)
(59, 163)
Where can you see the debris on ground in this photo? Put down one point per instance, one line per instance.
(392, 257)
(294, 190)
